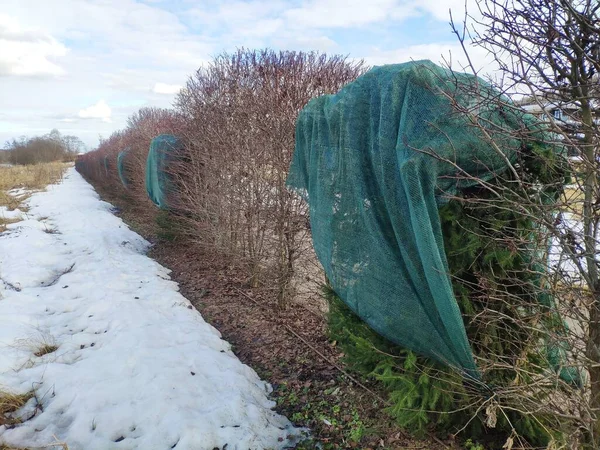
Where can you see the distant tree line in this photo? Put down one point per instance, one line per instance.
(53, 146)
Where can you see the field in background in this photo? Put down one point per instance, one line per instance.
(36, 176)
(29, 178)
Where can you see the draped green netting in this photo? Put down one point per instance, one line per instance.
(121, 169)
(106, 164)
(158, 182)
(375, 161)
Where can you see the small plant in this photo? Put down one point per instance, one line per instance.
(298, 417)
(331, 413)
(357, 428)
(292, 399)
(469, 445)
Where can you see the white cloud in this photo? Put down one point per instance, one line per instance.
(163, 88)
(133, 53)
(344, 13)
(440, 9)
(308, 42)
(356, 13)
(98, 111)
(253, 18)
(127, 30)
(27, 52)
(441, 53)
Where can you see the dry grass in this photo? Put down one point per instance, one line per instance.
(36, 176)
(45, 349)
(38, 344)
(7, 200)
(9, 403)
(3, 222)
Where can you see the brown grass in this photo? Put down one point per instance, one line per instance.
(9, 403)
(36, 176)
(3, 223)
(45, 349)
(8, 200)
(33, 177)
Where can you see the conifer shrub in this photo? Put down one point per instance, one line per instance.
(495, 254)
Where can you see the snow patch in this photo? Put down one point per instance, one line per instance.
(15, 214)
(136, 367)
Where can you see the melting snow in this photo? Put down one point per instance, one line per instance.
(5, 213)
(135, 367)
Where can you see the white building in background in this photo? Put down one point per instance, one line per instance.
(567, 115)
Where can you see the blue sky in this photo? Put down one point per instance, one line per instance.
(83, 66)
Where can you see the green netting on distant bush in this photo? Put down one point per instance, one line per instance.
(375, 162)
(121, 166)
(158, 183)
(106, 164)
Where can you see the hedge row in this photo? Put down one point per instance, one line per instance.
(235, 120)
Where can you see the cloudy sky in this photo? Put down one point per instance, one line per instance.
(83, 66)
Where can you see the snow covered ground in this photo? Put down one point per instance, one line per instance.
(5, 213)
(136, 367)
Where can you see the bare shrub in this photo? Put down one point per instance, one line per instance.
(100, 165)
(240, 115)
(142, 127)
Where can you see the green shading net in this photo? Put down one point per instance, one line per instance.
(161, 150)
(121, 166)
(375, 161)
(105, 162)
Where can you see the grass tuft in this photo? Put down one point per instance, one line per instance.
(45, 349)
(9, 403)
(3, 223)
(10, 201)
